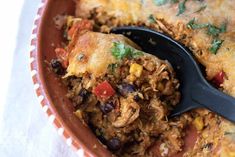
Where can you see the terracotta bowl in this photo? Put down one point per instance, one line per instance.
(50, 90)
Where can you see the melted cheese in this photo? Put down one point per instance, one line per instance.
(92, 53)
(216, 12)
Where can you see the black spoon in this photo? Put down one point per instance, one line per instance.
(195, 90)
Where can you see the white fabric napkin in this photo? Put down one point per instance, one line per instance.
(24, 129)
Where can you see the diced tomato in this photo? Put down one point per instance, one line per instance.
(218, 79)
(79, 26)
(62, 55)
(104, 90)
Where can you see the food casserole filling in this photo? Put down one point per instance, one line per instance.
(125, 95)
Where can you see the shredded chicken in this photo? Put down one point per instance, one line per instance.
(129, 112)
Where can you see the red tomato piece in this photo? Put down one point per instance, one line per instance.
(104, 90)
(62, 55)
(218, 79)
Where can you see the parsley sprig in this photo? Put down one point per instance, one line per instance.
(112, 67)
(181, 7)
(193, 25)
(215, 45)
(212, 30)
(162, 2)
(121, 51)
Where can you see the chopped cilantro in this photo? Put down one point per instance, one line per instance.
(152, 19)
(223, 27)
(160, 2)
(112, 67)
(181, 7)
(201, 9)
(120, 51)
(213, 30)
(215, 45)
(174, 1)
(192, 25)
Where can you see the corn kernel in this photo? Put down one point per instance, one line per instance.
(198, 123)
(136, 69)
(131, 78)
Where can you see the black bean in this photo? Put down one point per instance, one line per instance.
(84, 94)
(124, 89)
(96, 130)
(106, 108)
(137, 98)
(102, 139)
(57, 67)
(114, 144)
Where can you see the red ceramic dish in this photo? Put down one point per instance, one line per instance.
(49, 89)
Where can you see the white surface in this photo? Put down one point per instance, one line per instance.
(24, 129)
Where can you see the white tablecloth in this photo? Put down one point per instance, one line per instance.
(24, 129)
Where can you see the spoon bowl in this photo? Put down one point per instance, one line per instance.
(196, 92)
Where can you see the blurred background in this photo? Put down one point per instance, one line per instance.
(24, 129)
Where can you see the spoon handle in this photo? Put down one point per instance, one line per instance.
(214, 100)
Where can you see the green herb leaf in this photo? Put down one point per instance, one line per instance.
(201, 9)
(137, 53)
(192, 25)
(112, 67)
(215, 45)
(160, 2)
(223, 27)
(213, 30)
(181, 7)
(120, 51)
(152, 19)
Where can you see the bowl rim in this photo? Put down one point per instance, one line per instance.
(38, 83)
